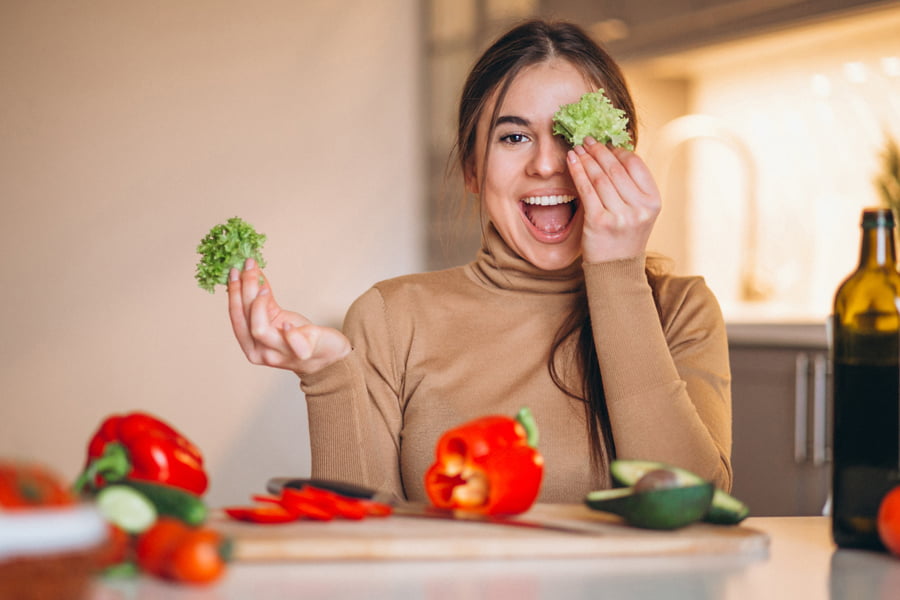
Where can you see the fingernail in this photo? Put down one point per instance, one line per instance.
(263, 292)
(571, 157)
(233, 274)
(589, 141)
(580, 150)
(249, 264)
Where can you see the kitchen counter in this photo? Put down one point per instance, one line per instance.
(801, 563)
(778, 335)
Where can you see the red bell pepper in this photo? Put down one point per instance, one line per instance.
(140, 446)
(489, 465)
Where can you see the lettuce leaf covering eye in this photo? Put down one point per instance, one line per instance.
(593, 115)
(225, 246)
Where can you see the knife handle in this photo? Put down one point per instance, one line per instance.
(344, 488)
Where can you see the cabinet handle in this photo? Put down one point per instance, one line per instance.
(820, 387)
(801, 395)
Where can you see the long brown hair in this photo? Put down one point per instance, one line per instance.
(530, 43)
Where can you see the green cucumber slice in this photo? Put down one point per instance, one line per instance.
(126, 508)
(170, 501)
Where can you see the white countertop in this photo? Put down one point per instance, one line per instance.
(802, 564)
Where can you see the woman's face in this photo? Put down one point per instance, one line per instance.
(526, 187)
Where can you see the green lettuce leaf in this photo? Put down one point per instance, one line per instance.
(225, 246)
(593, 115)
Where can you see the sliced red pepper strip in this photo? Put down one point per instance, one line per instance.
(301, 504)
(266, 498)
(336, 504)
(307, 503)
(299, 507)
(261, 514)
(376, 509)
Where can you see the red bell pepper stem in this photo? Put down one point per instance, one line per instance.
(112, 465)
(526, 420)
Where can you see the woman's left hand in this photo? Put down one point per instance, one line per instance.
(620, 199)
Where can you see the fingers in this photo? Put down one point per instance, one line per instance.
(251, 309)
(316, 347)
(301, 342)
(271, 336)
(237, 312)
(619, 197)
(638, 172)
(616, 177)
(251, 282)
(594, 185)
(264, 333)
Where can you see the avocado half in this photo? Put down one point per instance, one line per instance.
(724, 509)
(668, 508)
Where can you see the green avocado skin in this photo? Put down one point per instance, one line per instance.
(669, 508)
(724, 509)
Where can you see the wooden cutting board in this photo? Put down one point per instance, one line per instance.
(396, 538)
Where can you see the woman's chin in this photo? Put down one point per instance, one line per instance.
(552, 259)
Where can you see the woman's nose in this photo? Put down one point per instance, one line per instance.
(549, 158)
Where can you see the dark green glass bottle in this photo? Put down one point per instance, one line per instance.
(866, 385)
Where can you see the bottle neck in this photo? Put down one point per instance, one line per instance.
(877, 248)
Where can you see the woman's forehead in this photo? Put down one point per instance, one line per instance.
(543, 86)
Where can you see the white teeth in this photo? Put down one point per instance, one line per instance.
(548, 200)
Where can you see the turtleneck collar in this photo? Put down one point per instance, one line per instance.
(496, 265)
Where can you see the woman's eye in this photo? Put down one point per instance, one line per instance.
(514, 138)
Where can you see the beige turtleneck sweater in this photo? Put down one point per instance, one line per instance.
(433, 350)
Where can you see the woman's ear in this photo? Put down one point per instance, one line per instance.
(471, 178)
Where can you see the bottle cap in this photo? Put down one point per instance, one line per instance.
(877, 217)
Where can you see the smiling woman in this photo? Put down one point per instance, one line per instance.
(561, 311)
(519, 166)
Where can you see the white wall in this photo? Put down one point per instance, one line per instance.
(127, 130)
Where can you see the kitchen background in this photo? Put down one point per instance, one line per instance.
(128, 129)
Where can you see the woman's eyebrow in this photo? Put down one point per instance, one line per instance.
(514, 120)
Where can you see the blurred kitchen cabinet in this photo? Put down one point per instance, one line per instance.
(781, 452)
(643, 28)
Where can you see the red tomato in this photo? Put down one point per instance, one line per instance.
(173, 550)
(155, 545)
(889, 521)
(29, 485)
(199, 557)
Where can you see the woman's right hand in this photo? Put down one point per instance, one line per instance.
(274, 337)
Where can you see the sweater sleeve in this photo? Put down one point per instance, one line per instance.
(353, 405)
(665, 369)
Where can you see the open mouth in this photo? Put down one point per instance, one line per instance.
(550, 215)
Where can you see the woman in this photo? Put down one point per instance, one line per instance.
(561, 310)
